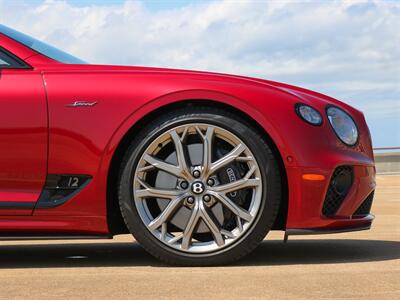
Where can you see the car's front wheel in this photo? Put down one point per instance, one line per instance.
(199, 186)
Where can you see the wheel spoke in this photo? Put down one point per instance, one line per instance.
(200, 212)
(227, 159)
(180, 153)
(207, 147)
(164, 227)
(239, 223)
(190, 227)
(146, 168)
(212, 225)
(150, 192)
(237, 185)
(240, 184)
(228, 234)
(245, 158)
(175, 239)
(162, 165)
(167, 213)
(232, 206)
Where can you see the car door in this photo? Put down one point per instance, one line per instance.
(23, 136)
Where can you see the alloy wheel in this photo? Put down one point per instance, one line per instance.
(197, 188)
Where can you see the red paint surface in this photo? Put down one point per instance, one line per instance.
(83, 140)
(24, 137)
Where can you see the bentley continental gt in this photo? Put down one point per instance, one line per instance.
(197, 166)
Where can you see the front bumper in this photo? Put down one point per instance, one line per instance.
(307, 201)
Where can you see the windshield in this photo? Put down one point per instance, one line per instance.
(40, 47)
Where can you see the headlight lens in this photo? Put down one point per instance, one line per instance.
(309, 114)
(343, 125)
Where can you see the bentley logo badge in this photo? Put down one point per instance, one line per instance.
(81, 104)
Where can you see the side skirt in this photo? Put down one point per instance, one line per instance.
(36, 237)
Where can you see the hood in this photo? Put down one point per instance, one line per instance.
(302, 94)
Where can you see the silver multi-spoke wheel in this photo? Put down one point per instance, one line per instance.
(197, 188)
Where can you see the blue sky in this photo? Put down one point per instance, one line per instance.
(349, 50)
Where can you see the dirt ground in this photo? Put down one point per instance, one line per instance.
(362, 264)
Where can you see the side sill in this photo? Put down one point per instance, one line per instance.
(17, 205)
(36, 237)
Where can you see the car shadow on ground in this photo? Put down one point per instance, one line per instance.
(131, 254)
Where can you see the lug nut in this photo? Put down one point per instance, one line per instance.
(196, 173)
(184, 185)
(207, 198)
(210, 182)
(190, 200)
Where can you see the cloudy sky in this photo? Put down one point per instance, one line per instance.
(349, 50)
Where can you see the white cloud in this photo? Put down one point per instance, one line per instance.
(348, 49)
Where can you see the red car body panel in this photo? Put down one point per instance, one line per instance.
(24, 138)
(83, 140)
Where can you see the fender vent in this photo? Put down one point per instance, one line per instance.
(60, 188)
(339, 187)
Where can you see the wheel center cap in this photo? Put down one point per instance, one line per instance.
(198, 187)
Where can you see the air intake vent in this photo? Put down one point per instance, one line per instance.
(365, 207)
(339, 187)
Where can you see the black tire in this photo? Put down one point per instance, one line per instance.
(270, 173)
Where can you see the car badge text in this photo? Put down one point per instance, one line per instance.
(81, 104)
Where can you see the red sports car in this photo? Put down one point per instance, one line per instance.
(198, 166)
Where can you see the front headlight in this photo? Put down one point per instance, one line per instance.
(308, 114)
(343, 125)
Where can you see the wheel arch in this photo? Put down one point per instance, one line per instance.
(114, 217)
